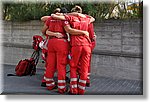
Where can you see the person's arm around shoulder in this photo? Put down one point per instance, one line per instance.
(45, 27)
(59, 17)
(44, 18)
(72, 31)
(55, 34)
(77, 14)
(92, 19)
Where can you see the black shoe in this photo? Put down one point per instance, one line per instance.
(71, 93)
(67, 79)
(87, 84)
(43, 84)
(55, 87)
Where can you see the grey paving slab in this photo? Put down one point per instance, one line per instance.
(99, 85)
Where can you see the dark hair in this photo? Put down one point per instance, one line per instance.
(63, 10)
(77, 9)
(57, 10)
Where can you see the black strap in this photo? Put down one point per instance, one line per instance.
(35, 55)
(37, 58)
(68, 71)
(11, 75)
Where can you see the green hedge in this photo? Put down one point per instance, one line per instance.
(34, 11)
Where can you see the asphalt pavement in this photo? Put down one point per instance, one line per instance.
(99, 85)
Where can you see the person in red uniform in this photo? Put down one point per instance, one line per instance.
(93, 44)
(44, 50)
(80, 50)
(92, 37)
(58, 49)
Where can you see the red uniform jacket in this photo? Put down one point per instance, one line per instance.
(56, 26)
(79, 23)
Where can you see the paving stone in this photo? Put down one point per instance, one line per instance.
(99, 85)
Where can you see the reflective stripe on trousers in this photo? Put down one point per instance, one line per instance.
(50, 84)
(73, 82)
(74, 79)
(61, 87)
(73, 86)
(61, 81)
(48, 79)
(61, 84)
(81, 86)
(82, 81)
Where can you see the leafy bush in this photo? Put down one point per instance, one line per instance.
(34, 11)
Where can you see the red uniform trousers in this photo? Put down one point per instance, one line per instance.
(89, 68)
(57, 60)
(43, 79)
(45, 59)
(79, 54)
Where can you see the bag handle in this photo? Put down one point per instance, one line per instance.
(37, 58)
(11, 75)
(35, 55)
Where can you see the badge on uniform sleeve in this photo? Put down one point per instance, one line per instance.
(66, 22)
